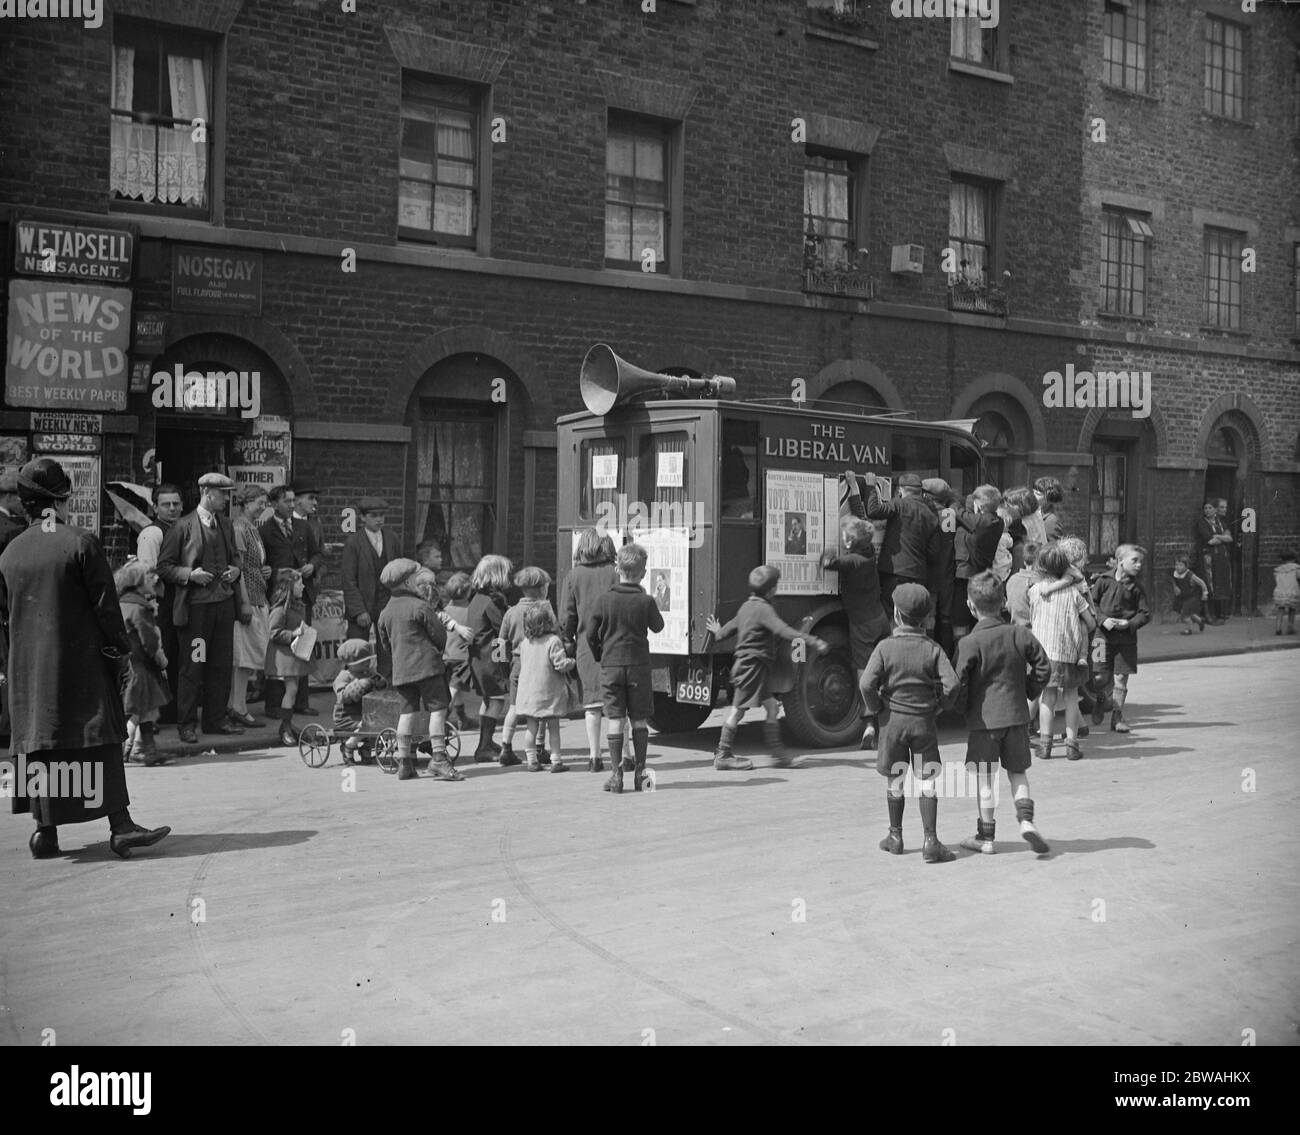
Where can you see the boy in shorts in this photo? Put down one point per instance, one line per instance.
(908, 680)
(756, 627)
(618, 634)
(1122, 608)
(1000, 669)
(411, 632)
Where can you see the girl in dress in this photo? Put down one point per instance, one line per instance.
(543, 693)
(287, 620)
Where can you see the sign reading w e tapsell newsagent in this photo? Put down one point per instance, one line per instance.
(63, 250)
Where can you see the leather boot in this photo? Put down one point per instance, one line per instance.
(615, 782)
(148, 745)
(44, 843)
(405, 765)
(772, 739)
(893, 842)
(724, 760)
(640, 743)
(486, 751)
(288, 734)
(932, 851)
(1025, 814)
(128, 835)
(440, 766)
(982, 840)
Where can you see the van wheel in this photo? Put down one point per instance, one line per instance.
(675, 717)
(825, 708)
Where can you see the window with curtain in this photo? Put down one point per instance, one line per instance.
(1124, 252)
(829, 220)
(1225, 68)
(1124, 45)
(1222, 274)
(1107, 522)
(970, 231)
(637, 213)
(593, 501)
(657, 465)
(456, 482)
(438, 167)
(161, 127)
(971, 43)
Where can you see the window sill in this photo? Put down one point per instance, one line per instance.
(840, 35)
(1225, 332)
(1142, 96)
(1121, 317)
(961, 67)
(1210, 116)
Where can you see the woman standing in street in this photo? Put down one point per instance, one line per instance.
(67, 643)
(593, 574)
(252, 628)
(488, 664)
(1213, 542)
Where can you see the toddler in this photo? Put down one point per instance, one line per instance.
(1286, 591)
(542, 694)
(146, 688)
(1190, 595)
(356, 679)
(1061, 622)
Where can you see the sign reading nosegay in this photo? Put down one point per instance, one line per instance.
(55, 248)
(67, 345)
(214, 281)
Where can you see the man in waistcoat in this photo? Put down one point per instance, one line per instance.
(365, 555)
(200, 559)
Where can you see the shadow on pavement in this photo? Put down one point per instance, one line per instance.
(205, 843)
(730, 783)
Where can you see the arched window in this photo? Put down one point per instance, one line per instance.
(1003, 430)
(852, 393)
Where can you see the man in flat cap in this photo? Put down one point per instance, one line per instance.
(199, 556)
(66, 642)
(911, 546)
(366, 553)
(309, 546)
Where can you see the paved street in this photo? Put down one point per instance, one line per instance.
(534, 909)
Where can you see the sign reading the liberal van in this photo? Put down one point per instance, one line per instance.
(82, 252)
(207, 279)
(67, 346)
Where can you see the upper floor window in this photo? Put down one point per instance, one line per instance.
(438, 167)
(1222, 274)
(638, 210)
(1124, 262)
(972, 42)
(972, 238)
(829, 213)
(1225, 68)
(161, 120)
(1125, 45)
(1295, 283)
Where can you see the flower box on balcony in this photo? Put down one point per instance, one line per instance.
(839, 282)
(977, 298)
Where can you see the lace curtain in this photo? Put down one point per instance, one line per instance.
(157, 163)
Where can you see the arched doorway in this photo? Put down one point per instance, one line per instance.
(459, 471)
(1120, 501)
(1230, 466)
(1004, 431)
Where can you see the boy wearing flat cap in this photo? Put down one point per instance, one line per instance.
(366, 552)
(908, 680)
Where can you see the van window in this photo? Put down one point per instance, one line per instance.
(965, 470)
(913, 453)
(739, 469)
(592, 499)
(664, 474)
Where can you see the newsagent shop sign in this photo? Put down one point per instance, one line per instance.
(80, 252)
(67, 346)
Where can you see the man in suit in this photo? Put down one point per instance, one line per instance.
(309, 546)
(365, 554)
(12, 521)
(168, 506)
(200, 558)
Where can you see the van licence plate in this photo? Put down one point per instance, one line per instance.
(697, 688)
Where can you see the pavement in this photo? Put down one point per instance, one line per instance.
(294, 905)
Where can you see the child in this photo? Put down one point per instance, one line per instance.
(1191, 593)
(355, 679)
(287, 619)
(410, 630)
(979, 533)
(1003, 558)
(618, 634)
(1286, 592)
(1018, 585)
(534, 583)
(491, 679)
(1062, 622)
(542, 695)
(910, 678)
(1121, 608)
(1000, 668)
(455, 655)
(146, 688)
(1077, 552)
(860, 594)
(756, 627)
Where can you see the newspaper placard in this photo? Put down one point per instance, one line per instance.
(669, 470)
(667, 579)
(795, 531)
(83, 504)
(604, 471)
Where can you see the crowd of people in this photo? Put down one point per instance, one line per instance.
(980, 603)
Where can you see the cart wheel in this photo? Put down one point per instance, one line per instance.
(314, 745)
(453, 744)
(386, 750)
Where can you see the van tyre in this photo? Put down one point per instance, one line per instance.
(824, 710)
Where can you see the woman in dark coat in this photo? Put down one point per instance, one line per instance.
(860, 594)
(67, 641)
(489, 666)
(592, 575)
(1213, 545)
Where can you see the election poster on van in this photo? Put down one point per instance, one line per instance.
(794, 534)
(67, 346)
(667, 579)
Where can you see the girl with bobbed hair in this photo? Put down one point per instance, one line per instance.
(1050, 493)
(592, 575)
(490, 672)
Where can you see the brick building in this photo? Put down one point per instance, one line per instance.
(411, 220)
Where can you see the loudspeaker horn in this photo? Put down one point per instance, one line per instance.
(608, 381)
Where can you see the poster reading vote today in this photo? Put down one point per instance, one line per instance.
(67, 346)
(667, 579)
(801, 510)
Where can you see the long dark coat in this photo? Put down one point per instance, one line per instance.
(65, 702)
(363, 594)
(584, 584)
(860, 594)
(486, 610)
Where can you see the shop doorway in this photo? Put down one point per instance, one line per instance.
(188, 447)
(1226, 476)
